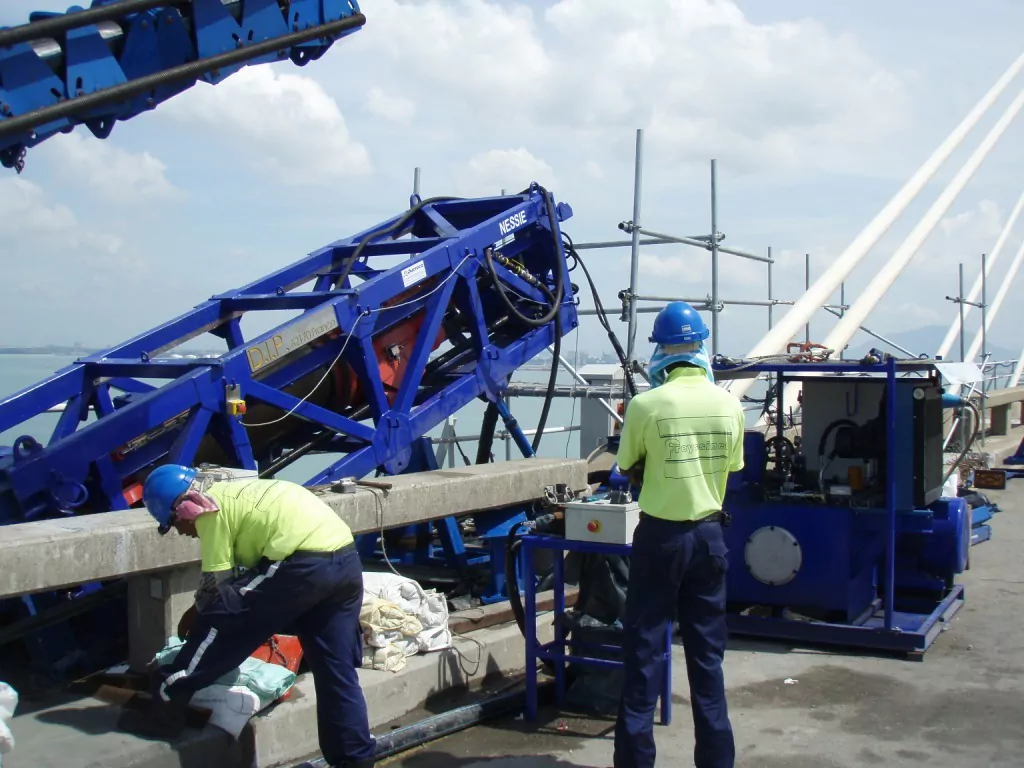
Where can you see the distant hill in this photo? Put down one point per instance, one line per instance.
(926, 341)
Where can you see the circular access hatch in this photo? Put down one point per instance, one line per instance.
(773, 555)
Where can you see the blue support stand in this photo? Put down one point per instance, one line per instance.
(557, 651)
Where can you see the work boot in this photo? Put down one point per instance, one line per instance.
(159, 719)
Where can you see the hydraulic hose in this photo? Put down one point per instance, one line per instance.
(486, 443)
(190, 70)
(504, 702)
(58, 25)
(602, 317)
(967, 443)
(515, 600)
(555, 313)
(552, 380)
(395, 226)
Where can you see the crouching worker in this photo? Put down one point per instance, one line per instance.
(303, 573)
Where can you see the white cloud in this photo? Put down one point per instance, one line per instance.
(53, 264)
(702, 78)
(284, 124)
(394, 109)
(31, 218)
(113, 173)
(510, 169)
(593, 170)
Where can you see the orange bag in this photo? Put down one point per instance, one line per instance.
(283, 650)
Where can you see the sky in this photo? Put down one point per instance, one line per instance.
(814, 112)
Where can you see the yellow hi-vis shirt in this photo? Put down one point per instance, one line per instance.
(689, 434)
(266, 518)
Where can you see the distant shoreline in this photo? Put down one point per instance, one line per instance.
(46, 351)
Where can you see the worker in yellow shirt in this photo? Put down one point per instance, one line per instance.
(301, 571)
(680, 440)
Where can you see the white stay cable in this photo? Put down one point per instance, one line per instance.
(993, 309)
(954, 329)
(1018, 370)
(818, 294)
(854, 317)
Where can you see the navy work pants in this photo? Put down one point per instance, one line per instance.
(318, 596)
(675, 567)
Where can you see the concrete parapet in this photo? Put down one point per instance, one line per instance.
(50, 554)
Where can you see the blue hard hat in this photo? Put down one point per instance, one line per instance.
(679, 323)
(162, 489)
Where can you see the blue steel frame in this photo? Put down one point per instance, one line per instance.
(883, 635)
(91, 61)
(555, 651)
(150, 424)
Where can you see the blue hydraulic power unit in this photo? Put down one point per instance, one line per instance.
(841, 536)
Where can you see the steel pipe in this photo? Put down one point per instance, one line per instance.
(840, 268)
(957, 324)
(696, 242)
(878, 336)
(1004, 288)
(634, 256)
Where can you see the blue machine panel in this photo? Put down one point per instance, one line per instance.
(840, 536)
(838, 559)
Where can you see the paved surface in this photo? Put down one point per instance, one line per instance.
(961, 707)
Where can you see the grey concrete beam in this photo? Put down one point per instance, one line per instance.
(50, 554)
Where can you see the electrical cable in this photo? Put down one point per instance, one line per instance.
(327, 372)
(602, 317)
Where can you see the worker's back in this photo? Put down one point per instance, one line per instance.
(689, 435)
(266, 518)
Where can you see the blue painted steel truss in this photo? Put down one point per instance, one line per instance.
(377, 357)
(121, 59)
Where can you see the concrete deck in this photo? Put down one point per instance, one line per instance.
(81, 732)
(57, 553)
(961, 707)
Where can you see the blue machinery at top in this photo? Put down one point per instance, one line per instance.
(121, 58)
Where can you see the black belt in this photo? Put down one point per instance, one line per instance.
(715, 517)
(324, 555)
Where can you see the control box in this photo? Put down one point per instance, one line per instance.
(601, 521)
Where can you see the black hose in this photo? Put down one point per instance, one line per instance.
(394, 227)
(54, 27)
(515, 600)
(191, 70)
(444, 724)
(556, 268)
(552, 380)
(602, 317)
(485, 446)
